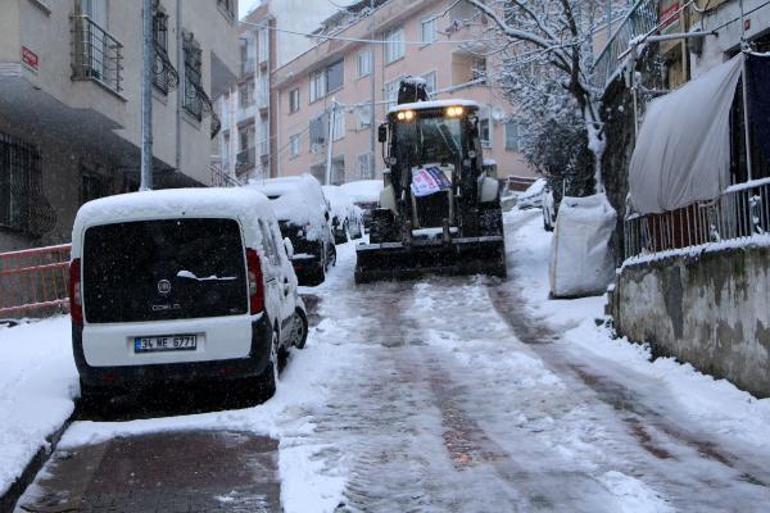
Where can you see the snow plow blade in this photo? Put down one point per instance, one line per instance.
(460, 256)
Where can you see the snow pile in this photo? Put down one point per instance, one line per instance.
(38, 381)
(677, 390)
(342, 206)
(298, 200)
(363, 191)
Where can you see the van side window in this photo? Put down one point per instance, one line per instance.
(278, 241)
(269, 244)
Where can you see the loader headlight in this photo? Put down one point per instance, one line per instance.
(454, 112)
(406, 115)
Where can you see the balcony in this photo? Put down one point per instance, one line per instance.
(247, 68)
(96, 54)
(246, 159)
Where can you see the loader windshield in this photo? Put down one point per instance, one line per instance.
(429, 139)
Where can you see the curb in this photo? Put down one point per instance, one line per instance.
(9, 499)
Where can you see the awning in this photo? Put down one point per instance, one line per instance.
(682, 154)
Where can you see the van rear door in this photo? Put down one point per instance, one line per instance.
(163, 270)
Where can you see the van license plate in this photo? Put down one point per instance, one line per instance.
(165, 343)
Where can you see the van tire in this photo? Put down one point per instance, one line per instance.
(299, 333)
(267, 381)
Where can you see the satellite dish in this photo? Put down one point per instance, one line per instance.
(498, 114)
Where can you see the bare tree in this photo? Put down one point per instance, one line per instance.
(545, 52)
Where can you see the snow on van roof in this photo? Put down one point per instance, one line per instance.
(435, 104)
(241, 203)
(363, 190)
(340, 202)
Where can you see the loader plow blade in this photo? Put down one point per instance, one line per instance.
(461, 256)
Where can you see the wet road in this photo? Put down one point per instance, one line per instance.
(450, 398)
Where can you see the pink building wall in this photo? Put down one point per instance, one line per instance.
(418, 60)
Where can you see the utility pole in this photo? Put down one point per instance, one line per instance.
(147, 71)
(372, 114)
(330, 143)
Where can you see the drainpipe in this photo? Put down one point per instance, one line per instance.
(330, 143)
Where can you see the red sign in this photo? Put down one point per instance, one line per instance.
(29, 58)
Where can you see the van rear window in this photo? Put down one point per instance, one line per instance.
(163, 269)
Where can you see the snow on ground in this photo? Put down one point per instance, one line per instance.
(38, 381)
(716, 404)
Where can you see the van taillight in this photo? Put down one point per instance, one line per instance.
(76, 303)
(256, 287)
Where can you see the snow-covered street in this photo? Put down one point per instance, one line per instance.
(439, 395)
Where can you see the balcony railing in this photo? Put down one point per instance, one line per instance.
(641, 19)
(248, 67)
(246, 159)
(741, 212)
(96, 54)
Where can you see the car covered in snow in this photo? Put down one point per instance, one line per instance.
(178, 286)
(533, 196)
(366, 195)
(304, 215)
(347, 222)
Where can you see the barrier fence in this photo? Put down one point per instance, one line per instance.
(742, 211)
(33, 282)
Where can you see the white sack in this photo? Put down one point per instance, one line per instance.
(682, 154)
(581, 262)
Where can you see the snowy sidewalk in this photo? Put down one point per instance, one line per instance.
(38, 383)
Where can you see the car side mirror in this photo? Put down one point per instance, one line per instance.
(289, 247)
(382, 133)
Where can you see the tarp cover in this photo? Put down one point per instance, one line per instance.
(682, 154)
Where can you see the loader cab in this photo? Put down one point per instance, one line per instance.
(442, 138)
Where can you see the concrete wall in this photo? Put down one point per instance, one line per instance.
(711, 311)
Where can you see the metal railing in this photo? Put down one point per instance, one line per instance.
(742, 211)
(96, 54)
(641, 19)
(33, 282)
(220, 178)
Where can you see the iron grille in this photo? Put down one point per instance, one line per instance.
(96, 54)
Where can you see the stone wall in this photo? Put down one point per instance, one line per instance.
(710, 310)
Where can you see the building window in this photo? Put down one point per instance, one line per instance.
(294, 100)
(430, 82)
(319, 172)
(317, 85)
(366, 166)
(19, 180)
(485, 128)
(335, 77)
(364, 116)
(246, 94)
(318, 128)
(228, 8)
(512, 137)
(92, 186)
(338, 130)
(192, 101)
(295, 145)
(479, 70)
(338, 170)
(264, 45)
(395, 48)
(428, 30)
(391, 92)
(327, 80)
(264, 90)
(160, 40)
(264, 137)
(364, 63)
(246, 137)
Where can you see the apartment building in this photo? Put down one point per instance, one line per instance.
(422, 38)
(70, 107)
(270, 36)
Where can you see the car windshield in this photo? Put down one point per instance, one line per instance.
(436, 140)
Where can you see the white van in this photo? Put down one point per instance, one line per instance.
(181, 285)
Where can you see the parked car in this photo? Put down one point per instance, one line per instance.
(181, 285)
(304, 216)
(533, 196)
(366, 195)
(346, 217)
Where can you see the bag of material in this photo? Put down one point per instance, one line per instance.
(581, 262)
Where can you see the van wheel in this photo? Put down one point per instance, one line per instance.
(266, 382)
(299, 330)
(334, 256)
